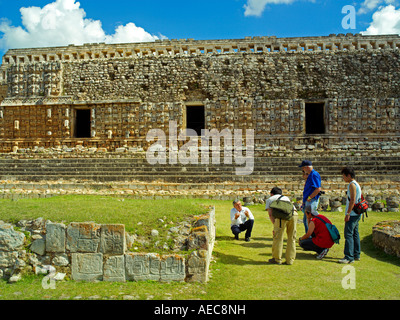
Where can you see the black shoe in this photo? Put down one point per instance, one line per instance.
(247, 239)
(236, 237)
(273, 261)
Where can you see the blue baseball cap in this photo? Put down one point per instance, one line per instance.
(305, 163)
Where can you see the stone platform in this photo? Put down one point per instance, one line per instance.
(386, 236)
(87, 251)
(43, 174)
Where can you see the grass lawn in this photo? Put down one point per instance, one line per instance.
(239, 270)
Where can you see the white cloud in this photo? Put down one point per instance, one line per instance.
(370, 5)
(61, 23)
(130, 33)
(384, 21)
(257, 7)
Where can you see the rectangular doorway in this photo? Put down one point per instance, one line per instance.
(82, 123)
(195, 118)
(315, 119)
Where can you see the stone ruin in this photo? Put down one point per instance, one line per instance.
(74, 119)
(87, 251)
(386, 236)
(375, 203)
(323, 91)
(82, 113)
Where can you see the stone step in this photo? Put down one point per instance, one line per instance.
(222, 191)
(125, 169)
(189, 175)
(134, 163)
(375, 169)
(200, 168)
(167, 168)
(286, 158)
(289, 157)
(177, 178)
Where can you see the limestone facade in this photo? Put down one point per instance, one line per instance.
(291, 91)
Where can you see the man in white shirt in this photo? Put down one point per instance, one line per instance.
(280, 226)
(241, 220)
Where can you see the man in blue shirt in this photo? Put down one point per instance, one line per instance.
(312, 188)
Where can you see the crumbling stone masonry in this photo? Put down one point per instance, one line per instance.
(333, 90)
(88, 251)
(386, 236)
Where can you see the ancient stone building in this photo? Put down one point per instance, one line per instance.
(322, 91)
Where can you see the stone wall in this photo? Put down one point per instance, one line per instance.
(256, 83)
(3, 92)
(286, 76)
(276, 123)
(386, 236)
(191, 47)
(88, 251)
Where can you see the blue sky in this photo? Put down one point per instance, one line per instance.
(63, 22)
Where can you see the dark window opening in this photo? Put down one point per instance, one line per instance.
(315, 120)
(195, 118)
(82, 123)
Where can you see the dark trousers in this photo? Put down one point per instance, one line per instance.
(248, 226)
(309, 245)
(352, 246)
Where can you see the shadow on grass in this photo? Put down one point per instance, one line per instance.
(368, 248)
(241, 260)
(237, 260)
(309, 255)
(258, 243)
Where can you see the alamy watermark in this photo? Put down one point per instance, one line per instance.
(349, 280)
(48, 282)
(349, 20)
(234, 150)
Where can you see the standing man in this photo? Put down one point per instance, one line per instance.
(352, 246)
(241, 220)
(279, 230)
(312, 188)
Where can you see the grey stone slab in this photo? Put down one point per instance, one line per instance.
(10, 240)
(114, 269)
(172, 268)
(197, 266)
(87, 266)
(112, 239)
(142, 266)
(39, 247)
(83, 237)
(55, 237)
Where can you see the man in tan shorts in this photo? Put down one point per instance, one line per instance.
(279, 228)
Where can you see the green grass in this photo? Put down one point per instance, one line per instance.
(377, 274)
(138, 216)
(239, 269)
(101, 209)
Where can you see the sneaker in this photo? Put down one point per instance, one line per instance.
(273, 261)
(247, 239)
(357, 259)
(236, 237)
(345, 261)
(322, 254)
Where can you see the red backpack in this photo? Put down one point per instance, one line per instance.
(361, 207)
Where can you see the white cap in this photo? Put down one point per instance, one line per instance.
(309, 208)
